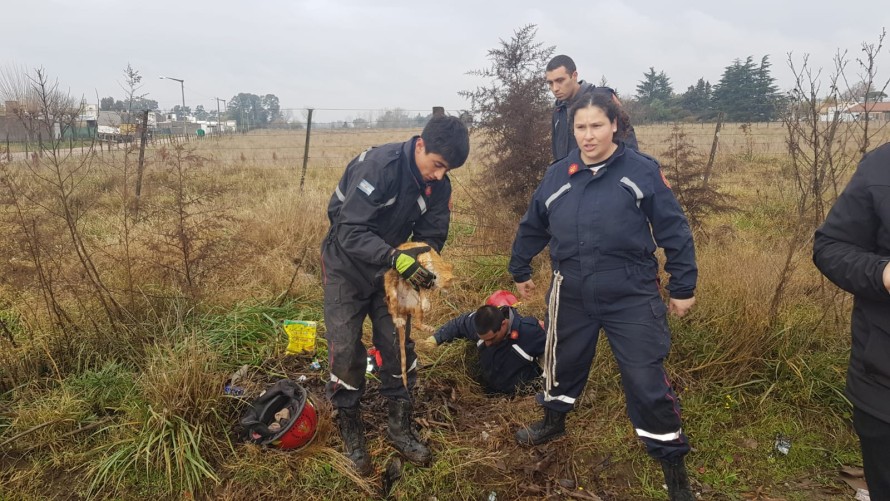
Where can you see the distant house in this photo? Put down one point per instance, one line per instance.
(839, 111)
(876, 110)
(850, 111)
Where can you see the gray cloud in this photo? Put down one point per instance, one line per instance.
(372, 55)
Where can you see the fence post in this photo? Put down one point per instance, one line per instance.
(710, 165)
(140, 168)
(306, 149)
(8, 151)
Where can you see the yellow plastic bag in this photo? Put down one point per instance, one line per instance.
(300, 335)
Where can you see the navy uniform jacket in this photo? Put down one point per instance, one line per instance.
(606, 221)
(561, 135)
(511, 362)
(380, 201)
(852, 248)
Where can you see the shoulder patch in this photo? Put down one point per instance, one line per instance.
(366, 187)
(663, 178)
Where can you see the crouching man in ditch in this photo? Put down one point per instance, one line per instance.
(387, 195)
(852, 249)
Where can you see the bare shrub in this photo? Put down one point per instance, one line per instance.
(822, 154)
(189, 216)
(513, 118)
(684, 167)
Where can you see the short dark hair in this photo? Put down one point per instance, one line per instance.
(562, 60)
(449, 137)
(487, 319)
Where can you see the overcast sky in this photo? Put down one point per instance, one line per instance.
(372, 55)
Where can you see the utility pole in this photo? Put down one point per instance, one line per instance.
(218, 116)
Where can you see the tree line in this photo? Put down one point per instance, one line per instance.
(746, 92)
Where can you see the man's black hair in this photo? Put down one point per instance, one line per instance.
(447, 136)
(488, 318)
(562, 60)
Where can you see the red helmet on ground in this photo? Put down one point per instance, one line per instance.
(502, 298)
(283, 416)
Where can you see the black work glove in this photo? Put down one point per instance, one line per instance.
(405, 262)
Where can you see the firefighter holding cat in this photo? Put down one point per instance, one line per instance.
(388, 195)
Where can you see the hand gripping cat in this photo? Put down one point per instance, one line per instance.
(407, 303)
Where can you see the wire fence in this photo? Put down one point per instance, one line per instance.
(288, 143)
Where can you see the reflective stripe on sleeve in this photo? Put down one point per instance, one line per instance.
(522, 353)
(633, 186)
(422, 203)
(566, 187)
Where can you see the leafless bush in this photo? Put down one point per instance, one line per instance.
(513, 118)
(820, 138)
(685, 168)
(187, 216)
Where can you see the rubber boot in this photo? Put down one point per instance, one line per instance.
(552, 426)
(352, 431)
(677, 480)
(400, 431)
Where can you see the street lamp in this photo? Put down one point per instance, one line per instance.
(182, 84)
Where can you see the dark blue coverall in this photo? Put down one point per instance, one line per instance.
(506, 365)
(562, 137)
(598, 227)
(379, 203)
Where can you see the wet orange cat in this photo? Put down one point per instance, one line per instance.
(401, 298)
(404, 302)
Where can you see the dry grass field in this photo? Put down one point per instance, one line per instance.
(121, 318)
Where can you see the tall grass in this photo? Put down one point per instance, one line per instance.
(153, 389)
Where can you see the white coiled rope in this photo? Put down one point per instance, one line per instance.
(550, 346)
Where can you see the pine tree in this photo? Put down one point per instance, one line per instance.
(746, 92)
(697, 98)
(654, 86)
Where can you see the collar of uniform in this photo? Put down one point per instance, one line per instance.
(513, 317)
(412, 163)
(583, 88)
(575, 164)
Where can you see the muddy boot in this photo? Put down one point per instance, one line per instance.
(676, 479)
(553, 426)
(352, 431)
(400, 431)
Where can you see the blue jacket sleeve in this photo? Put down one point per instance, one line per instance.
(845, 247)
(432, 228)
(532, 236)
(459, 327)
(671, 231)
(365, 193)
